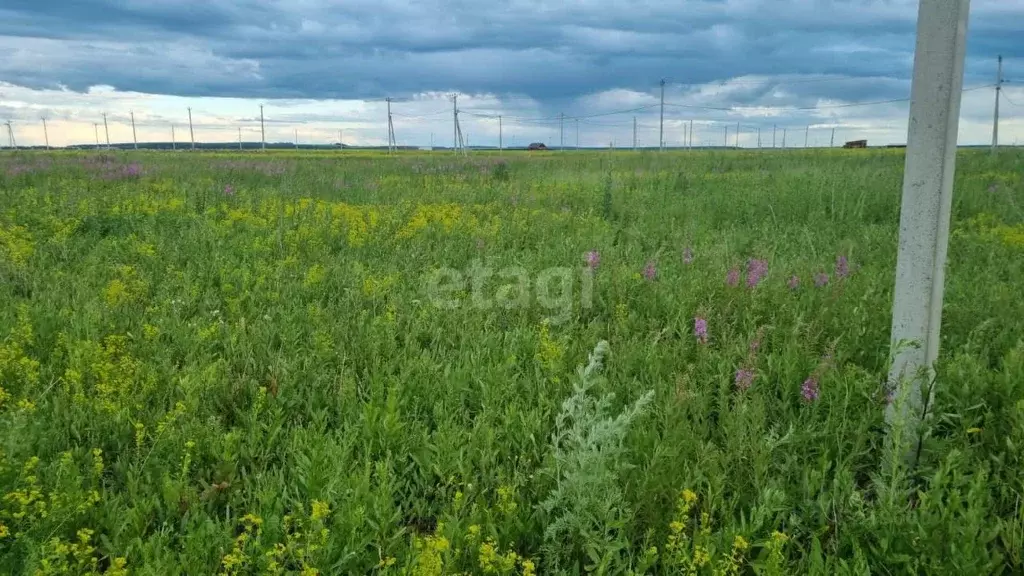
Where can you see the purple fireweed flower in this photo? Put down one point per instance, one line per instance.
(593, 259)
(687, 255)
(820, 279)
(228, 190)
(700, 329)
(744, 378)
(794, 282)
(733, 277)
(810, 390)
(756, 270)
(842, 267)
(755, 344)
(650, 271)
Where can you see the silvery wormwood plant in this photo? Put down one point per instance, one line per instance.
(585, 508)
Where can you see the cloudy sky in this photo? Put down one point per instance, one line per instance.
(320, 67)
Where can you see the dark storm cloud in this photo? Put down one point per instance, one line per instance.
(551, 51)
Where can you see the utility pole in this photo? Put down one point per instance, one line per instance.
(391, 130)
(783, 137)
(634, 133)
(999, 88)
(174, 144)
(135, 138)
(500, 144)
(239, 137)
(577, 134)
(759, 137)
(341, 138)
(46, 135)
(737, 134)
(928, 177)
(296, 138)
(263, 132)
(774, 128)
(832, 143)
(661, 124)
(455, 123)
(684, 134)
(807, 134)
(725, 142)
(95, 132)
(191, 133)
(105, 130)
(10, 135)
(691, 132)
(561, 131)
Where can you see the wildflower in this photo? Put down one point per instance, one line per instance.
(820, 279)
(794, 282)
(650, 271)
(700, 329)
(744, 378)
(229, 190)
(320, 510)
(689, 496)
(593, 259)
(687, 255)
(842, 267)
(756, 270)
(809, 390)
(733, 277)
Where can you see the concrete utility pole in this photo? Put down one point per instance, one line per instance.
(174, 144)
(296, 137)
(10, 135)
(634, 133)
(691, 133)
(784, 137)
(455, 123)
(577, 133)
(661, 125)
(999, 89)
(263, 132)
(500, 144)
(95, 132)
(774, 128)
(737, 134)
(191, 133)
(391, 129)
(725, 141)
(759, 137)
(135, 138)
(105, 130)
(832, 142)
(46, 135)
(807, 135)
(924, 217)
(239, 137)
(561, 131)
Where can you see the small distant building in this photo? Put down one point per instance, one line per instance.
(856, 144)
(537, 146)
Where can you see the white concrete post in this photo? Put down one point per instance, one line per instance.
(924, 214)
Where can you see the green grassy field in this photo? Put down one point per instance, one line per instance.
(360, 364)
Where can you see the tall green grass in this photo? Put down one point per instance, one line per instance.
(231, 362)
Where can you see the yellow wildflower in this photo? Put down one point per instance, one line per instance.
(320, 510)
